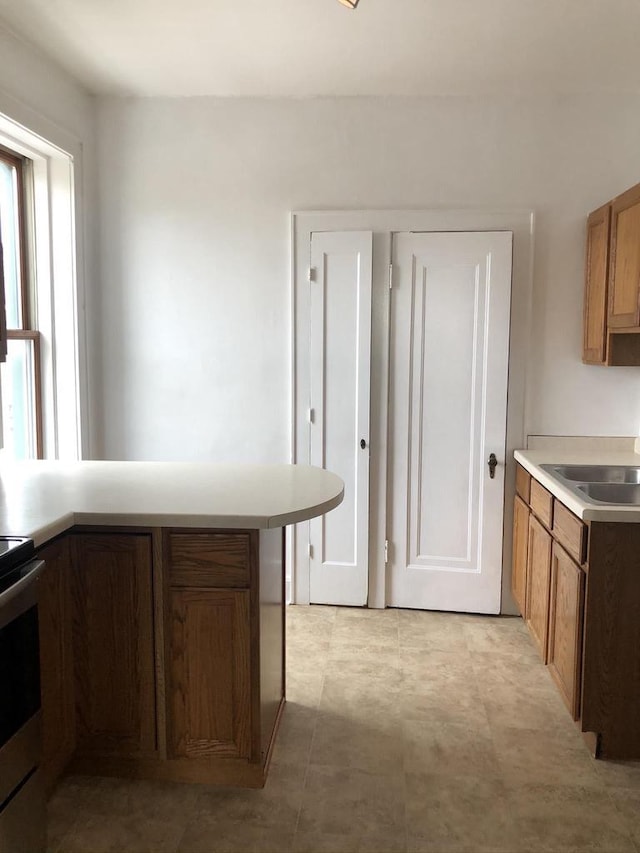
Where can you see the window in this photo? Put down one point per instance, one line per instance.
(20, 374)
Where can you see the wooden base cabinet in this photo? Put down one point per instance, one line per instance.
(520, 553)
(583, 601)
(113, 644)
(565, 627)
(538, 576)
(163, 653)
(56, 661)
(210, 681)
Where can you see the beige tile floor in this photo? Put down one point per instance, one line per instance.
(404, 731)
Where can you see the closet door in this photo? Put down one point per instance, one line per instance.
(448, 400)
(340, 366)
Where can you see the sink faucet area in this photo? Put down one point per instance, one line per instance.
(604, 484)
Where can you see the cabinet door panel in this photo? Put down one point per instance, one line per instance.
(624, 277)
(538, 580)
(210, 703)
(565, 627)
(520, 547)
(56, 660)
(596, 280)
(113, 644)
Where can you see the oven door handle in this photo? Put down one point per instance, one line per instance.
(37, 567)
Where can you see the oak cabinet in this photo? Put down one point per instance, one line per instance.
(56, 660)
(210, 696)
(520, 551)
(611, 333)
(596, 286)
(624, 290)
(538, 579)
(163, 653)
(565, 627)
(113, 644)
(209, 680)
(583, 600)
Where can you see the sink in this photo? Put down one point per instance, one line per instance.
(604, 484)
(596, 473)
(612, 493)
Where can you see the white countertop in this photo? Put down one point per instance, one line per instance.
(43, 499)
(532, 459)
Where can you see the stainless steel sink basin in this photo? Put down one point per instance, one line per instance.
(603, 484)
(596, 473)
(612, 493)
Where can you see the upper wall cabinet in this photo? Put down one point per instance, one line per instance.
(596, 277)
(624, 295)
(612, 283)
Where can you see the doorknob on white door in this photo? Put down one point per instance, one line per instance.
(492, 465)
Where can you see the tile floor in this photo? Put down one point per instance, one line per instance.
(404, 731)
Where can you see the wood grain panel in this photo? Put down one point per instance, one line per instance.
(113, 643)
(623, 348)
(624, 274)
(209, 559)
(565, 627)
(541, 502)
(523, 483)
(519, 558)
(570, 532)
(210, 697)
(56, 661)
(611, 668)
(594, 349)
(272, 547)
(538, 583)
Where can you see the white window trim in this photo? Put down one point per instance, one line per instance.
(57, 256)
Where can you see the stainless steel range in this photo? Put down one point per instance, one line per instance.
(22, 807)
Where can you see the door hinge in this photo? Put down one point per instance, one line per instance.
(390, 276)
(310, 551)
(386, 551)
(311, 415)
(311, 274)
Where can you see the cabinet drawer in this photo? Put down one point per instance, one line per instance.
(208, 559)
(523, 483)
(570, 532)
(541, 502)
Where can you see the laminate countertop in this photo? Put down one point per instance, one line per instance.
(42, 499)
(531, 460)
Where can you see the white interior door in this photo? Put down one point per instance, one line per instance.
(340, 366)
(448, 396)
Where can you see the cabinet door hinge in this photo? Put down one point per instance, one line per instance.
(311, 415)
(386, 551)
(311, 274)
(310, 551)
(390, 276)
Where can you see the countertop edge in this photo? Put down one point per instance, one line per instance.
(531, 460)
(87, 498)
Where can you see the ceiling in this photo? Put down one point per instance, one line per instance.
(319, 47)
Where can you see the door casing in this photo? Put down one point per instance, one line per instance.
(383, 224)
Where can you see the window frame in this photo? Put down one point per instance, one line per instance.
(26, 332)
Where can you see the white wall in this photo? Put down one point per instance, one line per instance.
(40, 96)
(195, 202)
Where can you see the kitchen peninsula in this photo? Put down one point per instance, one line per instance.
(161, 610)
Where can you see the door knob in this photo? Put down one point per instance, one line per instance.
(492, 465)
(363, 443)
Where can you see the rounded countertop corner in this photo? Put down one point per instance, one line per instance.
(42, 499)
